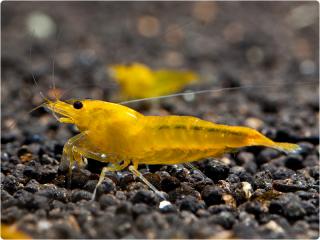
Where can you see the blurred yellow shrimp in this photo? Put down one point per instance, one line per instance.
(119, 135)
(139, 81)
(12, 232)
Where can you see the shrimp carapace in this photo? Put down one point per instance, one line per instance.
(121, 136)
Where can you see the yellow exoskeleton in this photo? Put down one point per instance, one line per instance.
(139, 81)
(121, 136)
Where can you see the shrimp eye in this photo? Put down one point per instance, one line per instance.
(77, 105)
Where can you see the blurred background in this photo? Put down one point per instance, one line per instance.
(228, 44)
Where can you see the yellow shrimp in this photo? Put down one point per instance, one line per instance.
(121, 136)
(139, 81)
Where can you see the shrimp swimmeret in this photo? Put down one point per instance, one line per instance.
(121, 136)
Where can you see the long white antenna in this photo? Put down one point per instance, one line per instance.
(210, 91)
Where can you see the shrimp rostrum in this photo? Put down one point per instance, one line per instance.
(123, 137)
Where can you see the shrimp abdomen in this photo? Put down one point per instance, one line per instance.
(177, 139)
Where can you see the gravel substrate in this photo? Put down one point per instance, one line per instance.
(253, 193)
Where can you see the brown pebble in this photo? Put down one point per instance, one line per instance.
(229, 200)
(26, 157)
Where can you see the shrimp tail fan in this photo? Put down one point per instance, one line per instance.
(288, 147)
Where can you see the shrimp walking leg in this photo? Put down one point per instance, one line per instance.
(112, 168)
(135, 172)
(68, 156)
(88, 154)
(78, 157)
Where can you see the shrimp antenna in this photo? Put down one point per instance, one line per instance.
(53, 69)
(40, 92)
(53, 82)
(210, 91)
(35, 81)
(37, 107)
(54, 91)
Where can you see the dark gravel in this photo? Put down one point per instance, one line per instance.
(253, 193)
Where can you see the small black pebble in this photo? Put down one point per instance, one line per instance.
(153, 178)
(215, 209)
(32, 186)
(306, 148)
(11, 214)
(294, 162)
(46, 159)
(243, 175)
(58, 148)
(23, 197)
(263, 180)
(212, 195)
(52, 192)
(79, 177)
(244, 157)
(124, 208)
(191, 204)
(282, 173)
(32, 170)
(107, 186)
(307, 195)
(10, 184)
(47, 173)
(33, 138)
(139, 209)
(233, 178)
(7, 138)
(225, 218)
(107, 200)
(144, 196)
(266, 155)
(254, 207)
(216, 171)
(39, 202)
(90, 185)
(169, 183)
(289, 206)
(284, 186)
(125, 179)
(78, 195)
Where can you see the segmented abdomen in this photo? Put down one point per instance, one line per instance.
(174, 139)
